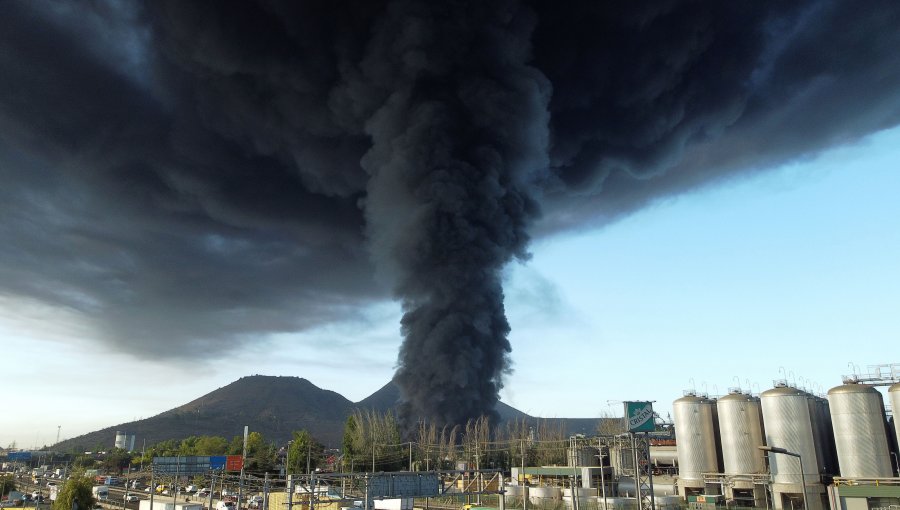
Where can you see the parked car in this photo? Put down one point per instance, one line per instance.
(131, 498)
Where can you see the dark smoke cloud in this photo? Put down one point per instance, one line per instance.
(190, 175)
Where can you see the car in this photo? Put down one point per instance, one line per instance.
(190, 489)
(147, 489)
(131, 498)
(165, 492)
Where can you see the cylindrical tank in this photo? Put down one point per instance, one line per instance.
(857, 414)
(788, 425)
(672, 502)
(894, 394)
(741, 429)
(625, 485)
(617, 503)
(822, 435)
(695, 437)
(582, 492)
(663, 456)
(539, 493)
(514, 492)
(831, 462)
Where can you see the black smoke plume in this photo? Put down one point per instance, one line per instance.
(190, 175)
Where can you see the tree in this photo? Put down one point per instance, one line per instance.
(304, 451)
(76, 490)
(349, 441)
(7, 483)
(116, 460)
(210, 445)
(260, 454)
(609, 425)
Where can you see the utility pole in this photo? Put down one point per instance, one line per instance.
(524, 486)
(243, 461)
(125, 499)
(478, 474)
(212, 489)
(290, 479)
(410, 456)
(153, 487)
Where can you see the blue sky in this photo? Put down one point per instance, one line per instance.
(791, 271)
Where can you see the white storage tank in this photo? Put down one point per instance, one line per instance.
(789, 425)
(618, 503)
(584, 494)
(695, 436)
(741, 429)
(536, 494)
(857, 415)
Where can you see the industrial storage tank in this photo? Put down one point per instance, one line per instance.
(894, 394)
(695, 428)
(857, 415)
(789, 425)
(741, 429)
(831, 461)
(538, 494)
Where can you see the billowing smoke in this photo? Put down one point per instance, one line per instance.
(202, 174)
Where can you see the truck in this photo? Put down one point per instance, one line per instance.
(226, 505)
(100, 492)
(168, 505)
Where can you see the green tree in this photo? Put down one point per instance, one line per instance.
(211, 445)
(116, 461)
(76, 490)
(84, 461)
(261, 456)
(304, 451)
(7, 483)
(349, 441)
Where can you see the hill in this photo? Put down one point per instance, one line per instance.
(274, 406)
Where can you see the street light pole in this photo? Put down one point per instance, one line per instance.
(602, 469)
(775, 449)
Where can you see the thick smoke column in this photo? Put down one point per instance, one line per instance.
(456, 150)
(191, 177)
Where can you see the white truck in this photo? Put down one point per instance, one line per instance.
(226, 505)
(166, 504)
(101, 492)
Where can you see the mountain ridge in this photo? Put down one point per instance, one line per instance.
(275, 406)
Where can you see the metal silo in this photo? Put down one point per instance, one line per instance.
(823, 435)
(741, 429)
(831, 460)
(786, 415)
(894, 393)
(695, 439)
(857, 414)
